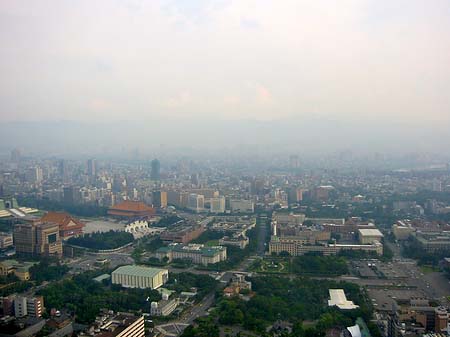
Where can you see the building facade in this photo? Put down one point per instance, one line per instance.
(37, 239)
(133, 276)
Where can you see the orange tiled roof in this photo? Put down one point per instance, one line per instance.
(61, 218)
(132, 206)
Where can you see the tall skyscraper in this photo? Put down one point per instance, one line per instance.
(35, 175)
(294, 162)
(155, 174)
(62, 169)
(69, 195)
(15, 155)
(159, 199)
(91, 168)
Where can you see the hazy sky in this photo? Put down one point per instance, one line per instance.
(358, 60)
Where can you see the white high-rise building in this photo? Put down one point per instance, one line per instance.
(196, 202)
(217, 205)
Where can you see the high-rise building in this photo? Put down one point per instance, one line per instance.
(217, 205)
(295, 195)
(91, 168)
(37, 239)
(155, 173)
(294, 162)
(16, 155)
(69, 195)
(196, 202)
(62, 170)
(159, 199)
(35, 175)
(442, 319)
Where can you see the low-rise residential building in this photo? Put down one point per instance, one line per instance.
(198, 253)
(28, 306)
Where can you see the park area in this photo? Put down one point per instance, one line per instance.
(308, 265)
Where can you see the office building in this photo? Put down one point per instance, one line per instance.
(298, 247)
(159, 199)
(369, 236)
(242, 206)
(197, 253)
(91, 168)
(217, 205)
(133, 276)
(294, 162)
(70, 196)
(35, 175)
(62, 169)
(155, 173)
(121, 324)
(37, 239)
(196, 202)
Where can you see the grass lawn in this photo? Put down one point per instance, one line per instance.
(212, 243)
(273, 266)
(426, 269)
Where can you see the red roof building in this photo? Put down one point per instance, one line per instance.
(68, 226)
(131, 209)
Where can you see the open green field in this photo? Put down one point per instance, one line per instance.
(426, 269)
(212, 243)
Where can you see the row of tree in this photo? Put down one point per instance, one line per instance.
(102, 240)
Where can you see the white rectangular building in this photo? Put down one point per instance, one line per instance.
(133, 276)
(338, 298)
(369, 235)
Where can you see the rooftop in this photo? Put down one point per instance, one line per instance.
(132, 206)
(61, 218)
(338, 298)
(135, 270)
(370, 232)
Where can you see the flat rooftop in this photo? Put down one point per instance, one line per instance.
(370, 232)
(338, 298)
